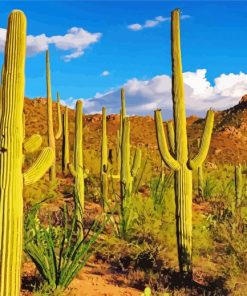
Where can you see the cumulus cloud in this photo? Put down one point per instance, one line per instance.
(144, 96)
(152, 23)
(105, 73)
(76, 40)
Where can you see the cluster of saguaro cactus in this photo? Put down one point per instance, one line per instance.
(76, 169)
(51, 136)
(179, 160)
(11, 156)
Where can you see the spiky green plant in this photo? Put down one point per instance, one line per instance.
(180, 162)
(65, 145)
(76, 169)
(11, 156)
(59, 253)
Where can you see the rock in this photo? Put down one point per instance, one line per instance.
(211, 165)
(243, 99)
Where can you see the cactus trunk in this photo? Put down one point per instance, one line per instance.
(104, 162)
(11, 135)
(65, 147)
(238, 185)
(51, 137)
(77, 169)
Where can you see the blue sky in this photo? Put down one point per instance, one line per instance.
(213, 39)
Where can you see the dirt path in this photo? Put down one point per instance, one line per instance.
(95, 279)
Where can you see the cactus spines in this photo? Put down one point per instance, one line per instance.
(238, 185)
(180, 162)
(77, 169)
(59, 118)
(11, 155)
(104, 160)
(32, 144)
(65, 147)
(51, 138)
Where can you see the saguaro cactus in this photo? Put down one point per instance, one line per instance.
(51, 137)
(11, 156)
(200, 182)
(180, 162)
(65, 147)
(104, 160)
(77, 169)
(128, 172)
(238, 185)
(59, 119)
(120, 131)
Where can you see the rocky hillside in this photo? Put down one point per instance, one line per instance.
(229, 140)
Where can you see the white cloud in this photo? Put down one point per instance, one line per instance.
(105, 73)
(152, 23)
(76, 40)
(144, 96)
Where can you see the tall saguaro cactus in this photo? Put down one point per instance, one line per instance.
(179, 162)
(104, 160)
(65, 147)
(238, 185)
(51, 137)
(200, 182)
(120, 131)
(77, 169)
(59, 118)
(11, 156)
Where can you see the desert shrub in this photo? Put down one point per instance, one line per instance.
(60, 252)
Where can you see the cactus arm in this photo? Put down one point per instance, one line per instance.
(171, 138)
(72, 170)
(59, 117)
(32, 144)
(162, 143)
(205, 142)
(136, 162)
(39, 167)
